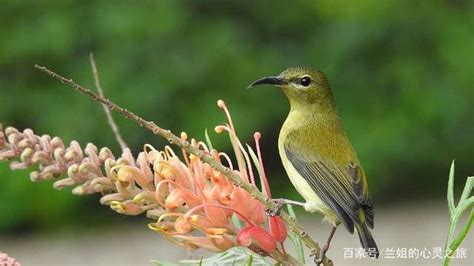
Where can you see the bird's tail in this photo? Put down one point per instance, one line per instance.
(367, 241)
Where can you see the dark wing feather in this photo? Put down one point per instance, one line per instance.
(335, 185)
(362, 193)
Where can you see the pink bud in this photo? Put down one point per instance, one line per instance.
(217, 216)
(240, 201)
(127, 207)
(258, 212)
(277, 229)
(179, 196)
(258, 236)
(200, 222)
(182, 225)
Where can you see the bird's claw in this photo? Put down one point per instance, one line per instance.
(318, 259)
(275, 211)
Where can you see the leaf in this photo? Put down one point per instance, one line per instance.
(237, 222)
(467, 189)
(462, 235)
(257, 166)
(295, 238)
(208, 140)
(450, 193)
(249, 260)
(233, 256)
(466, 202)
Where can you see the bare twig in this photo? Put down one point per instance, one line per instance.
(173, 139)
(110, 119)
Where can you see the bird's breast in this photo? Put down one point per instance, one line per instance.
(317, 135)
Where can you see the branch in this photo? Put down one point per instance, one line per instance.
(110, 119)
(175, 140)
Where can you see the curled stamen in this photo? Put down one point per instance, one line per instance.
(227, 158)
(158, 187)
(169, 214)
(237, 146)
(159, 163)
(169, 152)
(184, 138)
(257, 136)
(203, 146)
(147, 148)
(223, 106)
(221, 128)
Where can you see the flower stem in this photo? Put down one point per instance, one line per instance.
(175, 140)
(110, 119)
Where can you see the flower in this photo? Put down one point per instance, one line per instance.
(192, 205)
(8, 261)
(254, 235)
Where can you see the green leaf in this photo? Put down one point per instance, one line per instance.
(233, 256)
(208, 140)
(257, 166)
(466, 202)
(467, 189)
(237, 222)
(249, 260)
(457, 242)
(295, 238)
(451, 191)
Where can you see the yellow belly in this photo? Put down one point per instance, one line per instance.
(313, 201)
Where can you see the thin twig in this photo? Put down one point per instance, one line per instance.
(110, 119)
(173, 139)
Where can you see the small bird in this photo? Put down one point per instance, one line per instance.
(318, 157)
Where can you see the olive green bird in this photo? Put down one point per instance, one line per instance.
(318, 157)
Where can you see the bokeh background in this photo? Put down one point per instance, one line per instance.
(401, 71)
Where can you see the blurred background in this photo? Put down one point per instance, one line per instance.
(401, 71)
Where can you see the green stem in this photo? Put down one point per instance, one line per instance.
(465, 203)
(457, 242)
(295, 238)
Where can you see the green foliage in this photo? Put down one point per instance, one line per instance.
(233, 256)
(401, 72)
(295, 238)
(466, 203)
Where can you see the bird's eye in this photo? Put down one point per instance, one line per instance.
(305, 81)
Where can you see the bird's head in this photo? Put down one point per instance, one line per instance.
(300, 85)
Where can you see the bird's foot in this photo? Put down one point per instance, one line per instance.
(279, 204)
(323, 252)
(276, 210)
(318, 260)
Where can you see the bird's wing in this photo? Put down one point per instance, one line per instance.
(342, 188)
(361, 190)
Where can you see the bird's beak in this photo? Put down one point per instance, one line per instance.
(276, 81)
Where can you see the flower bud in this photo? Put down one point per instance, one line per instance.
(277, 228)
(258, 236)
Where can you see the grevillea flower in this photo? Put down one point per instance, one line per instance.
(8, 261)
(191, 204)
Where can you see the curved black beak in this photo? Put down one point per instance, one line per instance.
(276, 81)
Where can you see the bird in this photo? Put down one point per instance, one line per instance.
(319, 159)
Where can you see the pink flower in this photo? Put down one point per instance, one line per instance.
(257, 236)
(191, 204)
(5, 260)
